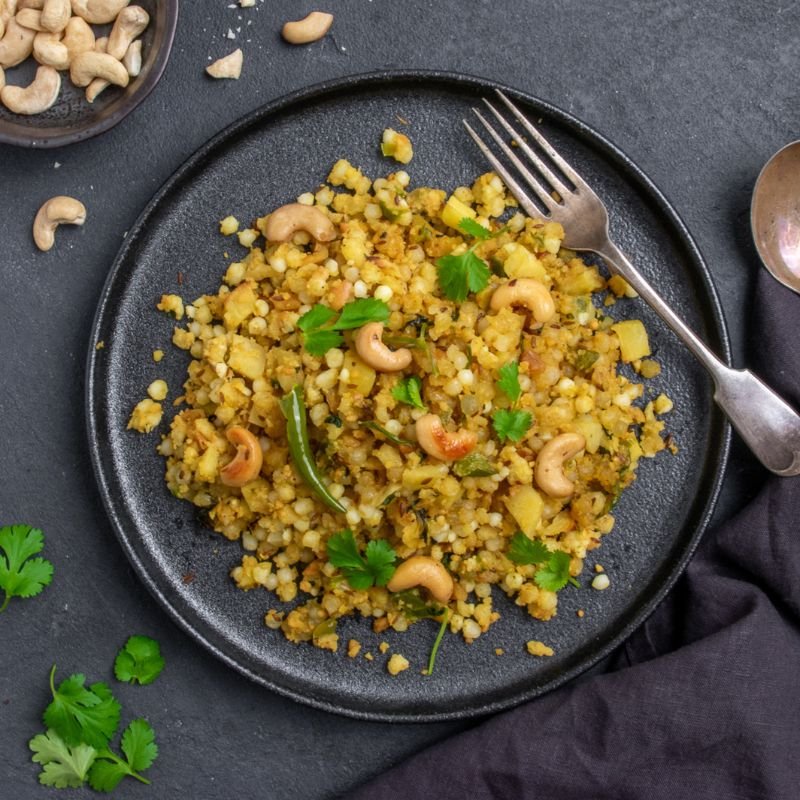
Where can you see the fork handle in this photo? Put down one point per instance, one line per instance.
(769, 425)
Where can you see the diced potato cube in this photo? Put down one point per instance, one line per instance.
(621, 287)
(454, 211)
(256, 495)
(239, 305)
(592, 431)
(633, 341)
(663, 404)
(361, 377)
(208, 465)
(521, 263)
(247, 358)
(525, 504)
(425, 475)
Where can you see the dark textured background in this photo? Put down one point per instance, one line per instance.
(698, 96)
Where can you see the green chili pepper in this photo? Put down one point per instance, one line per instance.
(294, 409)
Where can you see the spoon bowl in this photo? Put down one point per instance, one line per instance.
(775, 215)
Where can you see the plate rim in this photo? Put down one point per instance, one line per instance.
(460, 82)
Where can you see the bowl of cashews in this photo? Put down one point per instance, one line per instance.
(71, 69)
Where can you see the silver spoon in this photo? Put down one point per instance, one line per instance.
(775, 215)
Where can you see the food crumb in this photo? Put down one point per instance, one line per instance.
(397, 664)
(353, 648)
(229, 225)
(539, 648)
(273, 619)
(188, 578)
(158, 355)
(171, 304)
(601, 582)
(581, 613)
(368, 656)
(599, 568)
(158, 389)
(397, 146)
(145, 416)
(383, 647)
(498, 651)
(100, 345)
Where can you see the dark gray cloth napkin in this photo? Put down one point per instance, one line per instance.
(703, 701)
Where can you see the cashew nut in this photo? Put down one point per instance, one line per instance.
(308, 29)
(525, 292)
(440, 443)
(30, 18)
(56, 211)
(246, 464)
(55, 15)
(2, 79)
(78, 37)
(132, 60)
(90, 65)
(16, 44)
(340, 294)
(130, 23)
(37, 4)
(228, 67)
(283, 222)
(423, 571)
(98, 12)
(7, 9)
(549, 469)
(50, 51)
(37, 96)
(370, 346)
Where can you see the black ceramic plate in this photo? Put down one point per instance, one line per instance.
(268, 159)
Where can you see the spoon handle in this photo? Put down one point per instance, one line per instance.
(769, 426)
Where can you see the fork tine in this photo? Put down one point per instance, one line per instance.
(524, 200)
(544, 144)
(533, 182)
(548, 174)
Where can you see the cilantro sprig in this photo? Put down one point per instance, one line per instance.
(554, 572)
(140, 751)
(20, 574)
(461, 274)
(139, 661)
(322, 326)
(511, 423)
(409, 390)
(375, 567)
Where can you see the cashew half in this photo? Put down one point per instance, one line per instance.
(90, 65)
(37, 96)
(228, 67)
(130, 23)
(2, 79)
(98, 12)
(525, 292)
(246, 464)
(549, 469)
(285, 221)
(50, 51)
(55, 15)
(370, 346)
(440, 443)
(308, 29)
(78, 37)
(423, 571)
(132, 60)
(56, 211)
(16, 44)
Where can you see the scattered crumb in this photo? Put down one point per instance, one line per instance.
(158, 355)
(56, 165)
(601, 582)
(539, 648)
(145, 416)
(369, 656)
(599, 568)
(180, 279)
(158, 390)
(397, 664)
(353, 648)
(498, 651)
(228, 67)
(230, 34)
(383, 647)
(581, 613)
(397, 146)
(171, 304)
(273, 619)
(401, 120)
(100, 345)
(188, 578)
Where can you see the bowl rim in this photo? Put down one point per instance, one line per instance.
(41, 138)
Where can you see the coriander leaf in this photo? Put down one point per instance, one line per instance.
(139, 661)
(527, 551)
(380, 558)
(360, 312)
(62, 766)
(105, 775)
(316, 318)
(408, 390)
(343, 550)
(78, 714)
(319, 342)
(475, 229)
(511, 424)
(508, 383)
(361, 572)
(460, 275)
(138, 744)
(555, 574)
(21, 575)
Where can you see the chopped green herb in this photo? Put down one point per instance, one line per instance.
(334, 419)
(21, 575)
(360, 312)
(375, 567)
(318, 316)
(319, 342)
(474, 229)
(527, 551)
(140, 751)
(414, 606)
(408, 390)
(554, 574)
(63, 767)
(139, 661)
(511, 424)
(474, 465)
(509, 381)
(319, 335)
(373, 426)
(462, 274)
(585, 360)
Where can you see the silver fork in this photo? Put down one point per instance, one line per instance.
(769, 426)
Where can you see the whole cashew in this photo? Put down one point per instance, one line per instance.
(423, 571)
(525, 292)
(283, 222)
(90, 65)
(130, 23)
(440, 443)
(246, 464)
(308, 29)
(55, 15)
(16, 45)
(132, 60)
(50, 51)
(370, 346)
(56, 211)
(37, 96)
(97, 85)
(98, 12)
(7, 10)
(78, 37)
(30, 18)
(549, 469)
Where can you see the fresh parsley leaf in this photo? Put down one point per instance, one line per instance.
(460, 275)
(527, 551)
(555, 574)
(139, 661)
(62, 766)
(319, 342)
(360, 312)
(318, 316)
(511, 424)
(361, 572)
(21, 575)
(508, 383)
(474, 229)
(80, 715)
(140, 750)
(408, 390)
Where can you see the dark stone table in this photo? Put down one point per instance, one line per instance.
(698, 94)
